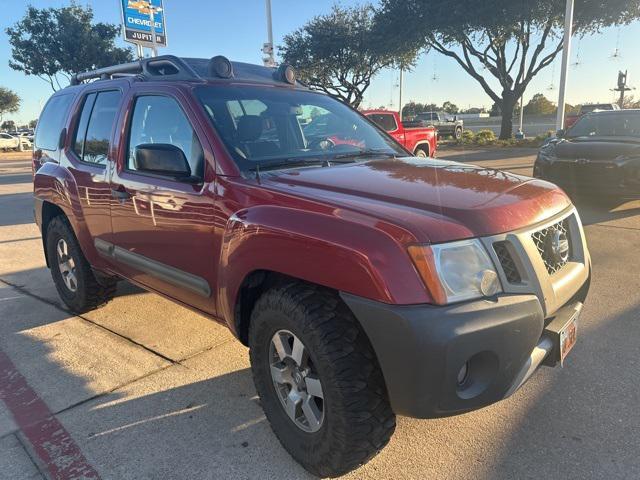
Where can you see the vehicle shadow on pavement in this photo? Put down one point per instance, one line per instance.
(594, 211)
(13, 179)
(13, 209)
(211, 428)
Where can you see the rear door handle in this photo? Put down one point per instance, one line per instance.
(120, 193)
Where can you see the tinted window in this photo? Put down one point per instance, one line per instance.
(159, 119)
(621, 124)
(386, 121)
(51, 122)
(268, 124)
(103, 115)
(81, 129)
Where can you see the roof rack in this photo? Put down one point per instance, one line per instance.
(164, 67)
(169, 67)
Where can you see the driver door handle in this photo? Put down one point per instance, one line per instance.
(120, 193)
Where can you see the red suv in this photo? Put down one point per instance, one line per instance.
(367, 283)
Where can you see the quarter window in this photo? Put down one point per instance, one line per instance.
(51, 122)
(158, 119)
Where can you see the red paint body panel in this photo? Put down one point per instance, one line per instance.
(346, 227)
(410, 138)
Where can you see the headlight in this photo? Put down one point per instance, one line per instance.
(457, 271)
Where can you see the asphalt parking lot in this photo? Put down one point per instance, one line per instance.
(143, 388)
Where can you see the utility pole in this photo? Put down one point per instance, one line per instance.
(267, 48)
(566, 53)
(622, 87)
(401, 86)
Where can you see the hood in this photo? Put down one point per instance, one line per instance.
(436, 201)
(605, 148)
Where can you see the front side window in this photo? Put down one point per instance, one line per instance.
(266, 126)
(93, 134)
(161, 120)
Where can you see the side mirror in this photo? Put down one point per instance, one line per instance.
(162, 159)
(561, 133)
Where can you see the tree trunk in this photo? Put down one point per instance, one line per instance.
(506, 129)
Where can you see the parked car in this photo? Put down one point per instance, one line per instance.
(447, 125)
(14, 142)
(571, 119)
(600, 154)
(367, 283)
(421, 140)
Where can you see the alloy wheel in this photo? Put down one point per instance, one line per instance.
(296, 381)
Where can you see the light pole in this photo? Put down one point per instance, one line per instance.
(269, 59)
(566, 52)
(152, 12)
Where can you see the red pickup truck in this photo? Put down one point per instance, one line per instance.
(421, 141)
(367, 283)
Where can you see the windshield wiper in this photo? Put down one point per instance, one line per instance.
(370, 152)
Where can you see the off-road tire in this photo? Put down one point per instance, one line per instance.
(91, 293)
(422, 152)
(358, 420)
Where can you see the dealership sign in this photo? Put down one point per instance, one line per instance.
(136, 21)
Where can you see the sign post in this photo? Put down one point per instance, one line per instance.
(143, 24)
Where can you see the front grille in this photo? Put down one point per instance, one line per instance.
(506, 261)
(548, 242)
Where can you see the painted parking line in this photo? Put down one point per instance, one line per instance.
(53, 445)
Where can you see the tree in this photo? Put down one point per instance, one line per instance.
(512, 40)
(33, 123)
(631, 102)
(53, 43)
(339, 54)
(540, 105)
(412, 109)
(449, 107)
(9, 102)
(9, 125)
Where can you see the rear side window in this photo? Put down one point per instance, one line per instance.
(158, 119)
(385, 121)
(93, 134)
(52, 121)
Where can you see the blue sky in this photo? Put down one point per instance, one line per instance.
(237, 29)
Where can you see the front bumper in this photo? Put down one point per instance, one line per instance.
(422, 348)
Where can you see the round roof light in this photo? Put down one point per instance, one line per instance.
(287, 74)
(220, 67)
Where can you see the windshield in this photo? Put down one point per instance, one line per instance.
(622, 124)
(261, 126)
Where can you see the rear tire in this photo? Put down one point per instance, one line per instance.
(458, 134)
(353, 419)
(75, 281)
(422, 152)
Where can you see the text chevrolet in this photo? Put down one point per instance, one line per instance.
(367, 283)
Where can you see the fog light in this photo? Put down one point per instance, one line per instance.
(463, 374)
(489, 283)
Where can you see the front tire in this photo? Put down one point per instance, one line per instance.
(75, 281)
(458, 134)
(318, 379)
